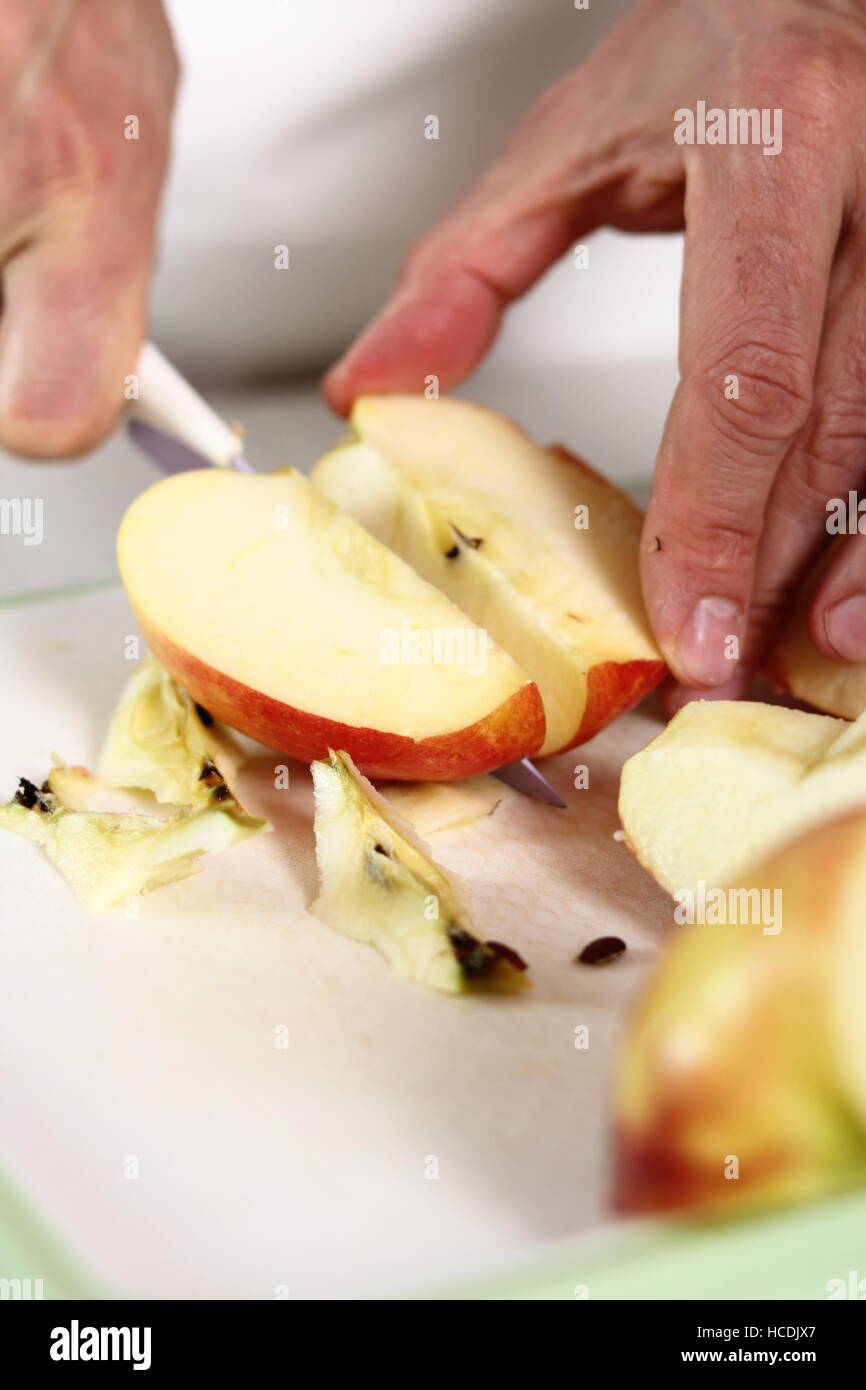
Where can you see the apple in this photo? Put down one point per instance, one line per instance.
(379, 883)
(727, 783)
(108, 857)
(537, 548)
(160, 745)
(433, 807)
(743, 1077)
(161, 742)
(797, 667)
(284, 619)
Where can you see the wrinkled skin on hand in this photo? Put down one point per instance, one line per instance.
(774, 295)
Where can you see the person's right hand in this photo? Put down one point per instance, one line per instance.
(78, 202)
(773, 298)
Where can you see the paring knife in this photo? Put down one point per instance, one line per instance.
(178, 430)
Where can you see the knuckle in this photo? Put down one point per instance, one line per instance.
(809, 62)
(834, 450)
(770, 394)
(716, 544)
(423, 254)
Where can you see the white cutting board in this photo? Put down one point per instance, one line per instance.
(304, 1170)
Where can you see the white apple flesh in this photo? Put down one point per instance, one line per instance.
(727, 783)
(108, 857)
(287, 621)
(536, 547)
(796, 666)
(159, 742)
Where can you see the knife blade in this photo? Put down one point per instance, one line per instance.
(525, 777)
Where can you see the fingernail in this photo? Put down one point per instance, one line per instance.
(707, 649)
(845, 626)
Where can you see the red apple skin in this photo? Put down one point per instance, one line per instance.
(613, 689)
(653, 1175)
(661, 1166)
(510, 732)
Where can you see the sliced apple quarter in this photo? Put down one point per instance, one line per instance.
(379, 883)
(286, 620)
(727, 783)
(537, 548)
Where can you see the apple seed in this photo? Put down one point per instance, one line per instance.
(601, 950)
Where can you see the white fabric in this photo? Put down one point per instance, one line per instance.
(302, 124)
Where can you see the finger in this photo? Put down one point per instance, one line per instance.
(451, 294)
(826, 460)
(759, 247)
(673, 695)
(70, 333)
(545, 189)
(837, 614)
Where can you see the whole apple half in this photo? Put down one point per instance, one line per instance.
(287, 621)
(537, 548)
(743, 1077)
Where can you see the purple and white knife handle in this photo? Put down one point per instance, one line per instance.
(168, 409)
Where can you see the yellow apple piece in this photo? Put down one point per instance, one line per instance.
(286, 620)
(743, 1077)
(726, 783)
(159, 742)
(379, 883)
(431, 807)
(797, 667)
(535, 546)
(107, 857)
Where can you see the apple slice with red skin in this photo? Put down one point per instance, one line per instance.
(743, 1076)
(534, 545)
(273, 610)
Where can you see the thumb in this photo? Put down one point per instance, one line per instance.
(70, 332)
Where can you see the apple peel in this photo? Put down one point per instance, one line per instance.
(432, 807)
(751, 1049)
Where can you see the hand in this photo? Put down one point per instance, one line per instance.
(769, 419)
(78, 200)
